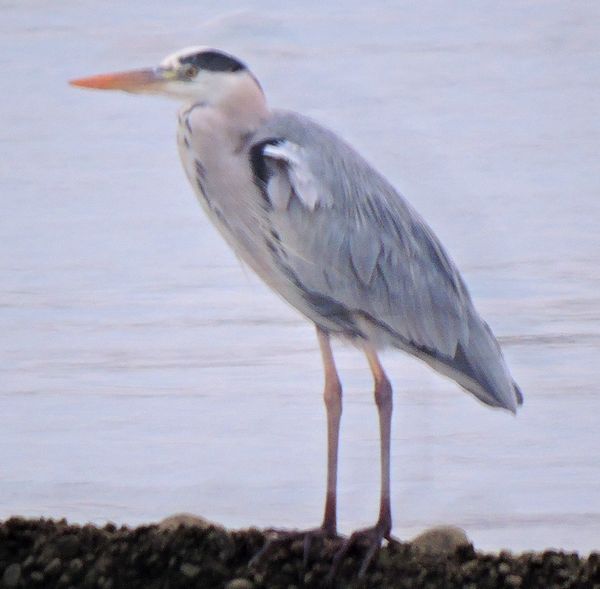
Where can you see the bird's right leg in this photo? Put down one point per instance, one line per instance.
(333, 404)
(332, 395)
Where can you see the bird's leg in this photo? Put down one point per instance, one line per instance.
(332, 395)
(333, 404)
(384, 402)
(374, 536)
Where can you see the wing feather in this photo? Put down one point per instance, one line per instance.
(375, 257)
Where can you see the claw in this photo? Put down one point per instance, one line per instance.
(280, 537)
(372, 537)
(273, 540)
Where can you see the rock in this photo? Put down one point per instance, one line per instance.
(172, 522)
(469, 568)
(103, 564)
(48, 553)
(67, 546)
(504, 568)
(53, 567)
(240, 584)
(90, 579)
(212, 558)
(12, 575)
(37, 577)
(76, 566)
(441, 540)
(189, 570)
(64, 580)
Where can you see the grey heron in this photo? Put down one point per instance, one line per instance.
(330, 235)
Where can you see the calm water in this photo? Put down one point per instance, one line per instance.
(144, 372)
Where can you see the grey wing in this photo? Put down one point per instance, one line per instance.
(362, 263)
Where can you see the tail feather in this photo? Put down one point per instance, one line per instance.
(479, 367)
(518, 393)
(481, 360)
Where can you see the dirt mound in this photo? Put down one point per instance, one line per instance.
(47, 554)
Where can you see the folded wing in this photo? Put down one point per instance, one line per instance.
(364, 263)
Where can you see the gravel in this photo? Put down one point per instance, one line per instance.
(46, 554)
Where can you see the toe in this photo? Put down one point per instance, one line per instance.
(370, 538)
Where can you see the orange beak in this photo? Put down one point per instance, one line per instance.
(133, 81)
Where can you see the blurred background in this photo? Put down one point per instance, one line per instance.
(144, 372)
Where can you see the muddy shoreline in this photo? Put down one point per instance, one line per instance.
(47, 554)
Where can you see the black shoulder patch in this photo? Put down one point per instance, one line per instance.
(260, 168)
(214, 61)
(257, 160)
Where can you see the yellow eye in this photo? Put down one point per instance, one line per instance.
(190, 71)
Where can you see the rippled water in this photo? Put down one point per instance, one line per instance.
(144, 372)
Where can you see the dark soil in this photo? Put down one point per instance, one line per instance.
(47, 554)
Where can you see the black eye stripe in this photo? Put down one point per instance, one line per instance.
(213, 61)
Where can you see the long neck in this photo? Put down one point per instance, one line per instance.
(213, 144)
(239, 103)
(246, 104)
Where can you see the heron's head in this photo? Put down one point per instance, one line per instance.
(195, 74)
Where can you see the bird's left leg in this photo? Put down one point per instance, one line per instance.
(374, 536)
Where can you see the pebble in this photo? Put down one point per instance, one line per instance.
(240, 584)
(469, 568)
(12, 575)
(53, 567)
(76, 565)
(68, 546)
(504, 568)
(189, 570)
(103, 565)
(37, 577)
